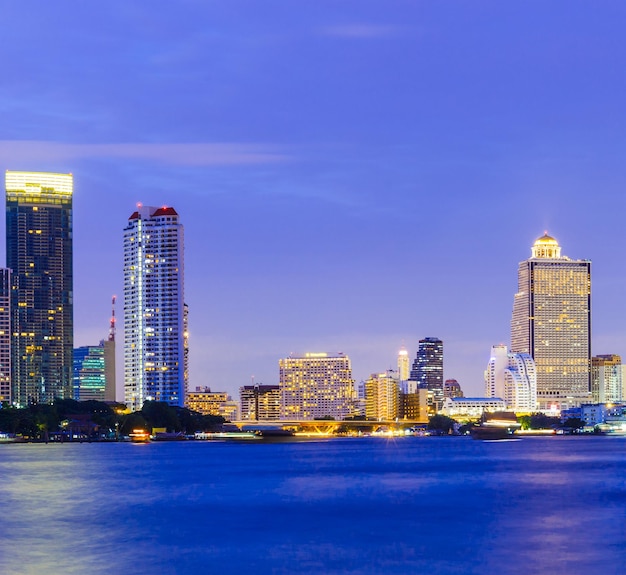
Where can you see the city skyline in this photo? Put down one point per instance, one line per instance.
(352, 178)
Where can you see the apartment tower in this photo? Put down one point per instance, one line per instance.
(154, 353)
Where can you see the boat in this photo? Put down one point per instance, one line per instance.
(139, 436)
(165, 436)
(496, 425)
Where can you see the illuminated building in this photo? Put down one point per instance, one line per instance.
(552, 322)
(229, 410)
(39, 253)
(154, 354)
(185, 346)
(316, 385)
(452, 388)
(606, 379)
(513, 378)
(427, 370)
(382, 396)
(5, 335)
(260, 402)
(414, 404)
(205, 401)
(403, 364)
(89, 379)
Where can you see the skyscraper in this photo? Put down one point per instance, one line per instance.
(5, 335)
(154, 354)
(39, 252)
(89, 373)
(427, 370)
(606, 378)
(403, 364)
(382, 396)
(316, 385)
(552, 322)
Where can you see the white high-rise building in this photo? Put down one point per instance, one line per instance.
(404, 364)
(513, 378)
(552, 322)
(154, 354)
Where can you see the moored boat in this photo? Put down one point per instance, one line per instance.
(496, 425)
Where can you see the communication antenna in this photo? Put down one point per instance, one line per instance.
(112, 324)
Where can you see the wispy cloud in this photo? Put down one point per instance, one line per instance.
(358, 30)
(16, 152)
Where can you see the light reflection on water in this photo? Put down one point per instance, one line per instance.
(440, 505)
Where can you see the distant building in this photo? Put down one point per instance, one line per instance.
(5, 335)
(316, 385)
(471, 407)
(413, 405)
(205, 401)
(259, 402)
(606, 379)
(512, 377)
(552, 322)
(229, 410)
(404, 369)
(382, 396)
(452, 388)
(154, 313)
(39, 253)
(89, 379)
(427, 370)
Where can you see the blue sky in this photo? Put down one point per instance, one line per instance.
(352, 175)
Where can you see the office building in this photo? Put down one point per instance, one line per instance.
(606, 379)
(452, 388)
(413, 404)
(5, 336)
(260, 402)
(316, 385)
(427, 370)
(154, 354)
(39, 253)
(513, 378)
(552, 322)
(89, 380)
(382, 396)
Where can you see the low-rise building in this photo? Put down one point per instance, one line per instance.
(205, 401)
(471, 407)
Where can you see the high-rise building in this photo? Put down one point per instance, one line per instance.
(316, 385)
(512, 377)
(382, 396)
(260, 402)
(552, 322)
(606, 378)
(403, 364)
(39, 253)
(5, 335)
(427, 370)
(89, 373)
(154, 354)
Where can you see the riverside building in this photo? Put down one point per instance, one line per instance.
(154, 316)
(382, 396)
(39, 253)
(606, 378)
(260, 402)
(5, 335)
(427, 370)
(513, 378)
(316, 385)
(552, 322)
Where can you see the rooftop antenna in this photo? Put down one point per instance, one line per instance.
(112, 324)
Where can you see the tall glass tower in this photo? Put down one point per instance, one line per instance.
(552, 322)
(154, 316)
(39, 252)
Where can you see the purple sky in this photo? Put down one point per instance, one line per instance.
(351, 174)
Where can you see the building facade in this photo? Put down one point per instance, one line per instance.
(513, 378)
(552, 322)
(382, 396)
(89, 379)
(427, 370)
(404, 364)
(259, 402)
(205, 401)
(471, 407)
(452, 388)
(316, 385)
(606, 379)
(154, 353)
(39, 253)
(5, 336)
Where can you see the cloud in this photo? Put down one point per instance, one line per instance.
(356, 30)
(16, 152)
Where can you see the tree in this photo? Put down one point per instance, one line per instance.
(441, 423)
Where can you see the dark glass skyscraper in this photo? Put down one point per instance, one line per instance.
(428, 365)
(39, 251)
